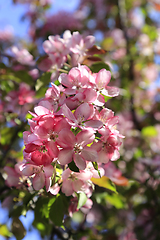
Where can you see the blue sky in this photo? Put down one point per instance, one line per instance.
(10, 14)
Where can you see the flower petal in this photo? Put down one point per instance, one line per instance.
(79, 161)
(65, 156)
(89, 154)
(54, 189)
(83, 112)
(67, 188)
(77, 185)
(48, 170)
(85, 137)
(66, 138)
(30, 169)
(103, 78)
(39, 181)
(110, 91)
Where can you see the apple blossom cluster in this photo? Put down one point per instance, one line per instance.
(72, 136)
(72, 48)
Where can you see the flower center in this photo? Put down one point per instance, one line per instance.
(43, 149)
(78, 148)
(53, 136)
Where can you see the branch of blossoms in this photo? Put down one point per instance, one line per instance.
(72, 134)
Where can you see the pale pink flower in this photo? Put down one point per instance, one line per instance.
(24, 96)
(56, 49)
(34, 73)
(54, 189)
(55, 97)
(6, 35)
(108, 146)
(74, 181)
(114, 174)
(13, 177)
(77, 43)
(23, 56)
(48, 127)
(106, 116)
(78, 77)
(81, 117)
(101, 80)
(75, 147)
(40, 175)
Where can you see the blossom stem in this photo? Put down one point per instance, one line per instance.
(62, 70)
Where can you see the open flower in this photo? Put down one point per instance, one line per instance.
(74, 181)
(42, 153)
(75, 148)
(40, 174)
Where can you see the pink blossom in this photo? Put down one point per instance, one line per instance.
(23, 56)
(74, 181)
(101, 80)
(108, 146)
(6, 35)
(56, 50)
(106, 116)
(77, 43)
(40, 175)
(13, 177)
(24, 96)
(115, 174)
(42, 153)
(75, 147)
(54, 189)
(78, 77)
(81, 117)
(48, 127)
(87, 86)
(55, 96)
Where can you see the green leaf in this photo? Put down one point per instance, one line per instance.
(151, 31)
(16, 211)
(95, 165)
(104, 182)
(6, 135)
(96, 67)
(18, 229)
(149, 131)
(42, 84)
(106, 98)
(116, 200)
(72, 166)
(58, 209)
(4, 231)
(24, 77)
(82, 199)
(41, 209)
